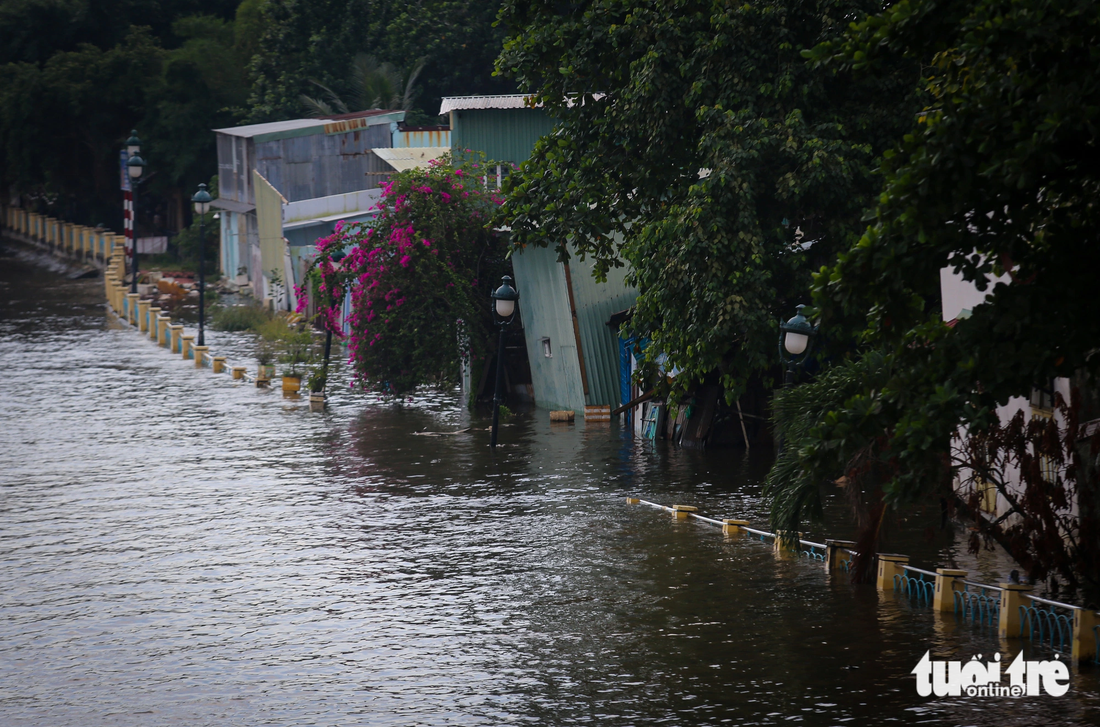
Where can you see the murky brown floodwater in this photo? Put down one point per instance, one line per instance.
(177, 549)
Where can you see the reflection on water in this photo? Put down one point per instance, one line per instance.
(180, 549)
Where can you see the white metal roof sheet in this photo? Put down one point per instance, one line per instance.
(410, 157)
(460, 103)
(271, 127)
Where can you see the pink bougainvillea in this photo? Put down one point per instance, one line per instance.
(418, 263)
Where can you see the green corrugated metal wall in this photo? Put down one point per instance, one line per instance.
(505, 135)
(595, 303)
(509, 135)
(544, 307)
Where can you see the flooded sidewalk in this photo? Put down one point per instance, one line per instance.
(177, 548)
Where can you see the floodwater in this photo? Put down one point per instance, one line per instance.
(180, 549)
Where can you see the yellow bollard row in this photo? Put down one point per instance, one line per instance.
(78, 241)
(157, 324)
(1015, 598)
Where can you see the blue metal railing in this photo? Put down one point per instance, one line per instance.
(815, 551)
(1053, 628)
(915, 582)
(982, 606)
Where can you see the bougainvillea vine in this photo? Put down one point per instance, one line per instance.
(419, 276)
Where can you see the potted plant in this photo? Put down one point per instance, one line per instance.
(292, 380)
(265, 355)
(316, 382)
(297, 354)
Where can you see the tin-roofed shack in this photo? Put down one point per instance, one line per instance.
(324, 159)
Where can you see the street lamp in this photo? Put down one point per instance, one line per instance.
(795, 338)
(135, 165)
(335, 257)
(504, 306)
(202, 205)
(133, 144)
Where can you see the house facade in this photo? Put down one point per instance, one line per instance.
(283, 184)
(959, 298)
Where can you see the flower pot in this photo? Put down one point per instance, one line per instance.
(317, 402)
(292, 383)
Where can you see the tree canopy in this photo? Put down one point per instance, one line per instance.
(303, 42)
(699, 147)
(77, 76)
(996, 180)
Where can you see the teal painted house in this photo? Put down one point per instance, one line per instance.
(573, 353)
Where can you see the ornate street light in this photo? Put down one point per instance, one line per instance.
(201, 201)
(133, 144)
(504, 307)
(795, 339)
(135, 165)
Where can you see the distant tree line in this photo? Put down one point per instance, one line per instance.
(76, 76)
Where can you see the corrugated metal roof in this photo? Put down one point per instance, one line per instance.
(411, 157)
(463, 103)
(271, 128)
(337, 124)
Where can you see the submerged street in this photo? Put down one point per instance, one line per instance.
(178, 548)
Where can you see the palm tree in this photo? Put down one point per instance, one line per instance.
(373, 86)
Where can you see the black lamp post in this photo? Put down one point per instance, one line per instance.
(795, 338)
(336, 257)
(202, 206)
(504, 307)
(135, 165)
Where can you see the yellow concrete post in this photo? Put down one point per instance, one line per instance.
(837, 553)
(163, 321)
(176, 345)
(890, 565)
(1012, 597)
(143, 315)
(132, 300)
(187, 343)
(1084, 637)
(733, 527)
(218, 364)
(238, 372)
(119, 293)
(948, 581)
(154, 313)
(200, 351)
(680, 512)
(790, 545)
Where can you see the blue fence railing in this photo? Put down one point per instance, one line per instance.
(982, 605)
(919, 585)
(1041, 623)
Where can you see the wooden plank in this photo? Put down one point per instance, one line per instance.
(576, 327)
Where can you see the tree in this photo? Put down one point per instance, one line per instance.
(696, 145)
(319, 40)
(419, 278)
(36, 30)
(996, 180)
(61, 124)
(373, 85)
(203, 85)
(70, 94)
